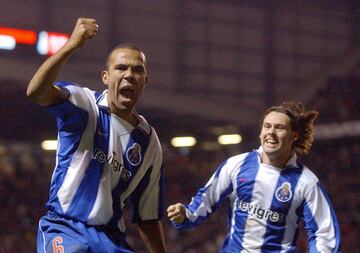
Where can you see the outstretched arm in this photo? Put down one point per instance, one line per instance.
(41, 88)
(153, 236)
(205, 201)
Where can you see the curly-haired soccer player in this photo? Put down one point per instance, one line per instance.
(269, 191)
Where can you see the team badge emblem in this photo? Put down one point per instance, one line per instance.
(133, 154)
(284, 193)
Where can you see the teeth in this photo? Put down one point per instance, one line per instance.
(270, 141)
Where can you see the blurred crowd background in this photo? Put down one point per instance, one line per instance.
(25, 172)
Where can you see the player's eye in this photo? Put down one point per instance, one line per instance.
(139, 69)
(281, 127)
(122, 67)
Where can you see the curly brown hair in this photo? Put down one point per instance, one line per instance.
(302, 121)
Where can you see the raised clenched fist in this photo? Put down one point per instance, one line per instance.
(85, 28)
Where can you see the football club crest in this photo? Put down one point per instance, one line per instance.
(283, 193)
(133, 154)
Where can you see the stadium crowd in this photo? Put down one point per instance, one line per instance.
(25, 174)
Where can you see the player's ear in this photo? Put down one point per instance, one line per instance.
(105, 77)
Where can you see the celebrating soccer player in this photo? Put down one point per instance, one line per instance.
(269, 191)
(107, 154)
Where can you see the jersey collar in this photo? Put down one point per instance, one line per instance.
(143, 125)
(292, 162)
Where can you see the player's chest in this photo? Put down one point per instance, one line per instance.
(121, 151)
(268, 186)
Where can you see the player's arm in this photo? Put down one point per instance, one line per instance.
(41, 88)
(205, 202)
(153, 236)
(147, 201)
(320, 222)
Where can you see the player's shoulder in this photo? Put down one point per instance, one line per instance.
(308, 177)
(75, 88)
(154, 141)
(149, 130)
(145, 126)
(242, 156)
(237, 160)
(77, 91)
(71, 86)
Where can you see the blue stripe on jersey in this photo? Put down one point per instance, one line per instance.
(310, 227)
(335, 221)
(296, 233)
(245, 184)
(137, 136)
(136, 195)
(71, 123)
(224, 194)
(85, 196)
(97, 96)
(275, 230)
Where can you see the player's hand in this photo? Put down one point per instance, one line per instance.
(177, 213)
(85, 29)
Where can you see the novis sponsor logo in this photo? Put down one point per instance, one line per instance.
(113, 163)
(260, 213)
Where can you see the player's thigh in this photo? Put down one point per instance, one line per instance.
(58, 235)
(60, 243)
(104, 243)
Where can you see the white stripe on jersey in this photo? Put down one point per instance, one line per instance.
(320, 213)
(262, 196)
(83, 155)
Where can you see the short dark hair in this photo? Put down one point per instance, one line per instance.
(126, 45)
(302, 121)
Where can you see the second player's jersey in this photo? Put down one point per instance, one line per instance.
(102, 161)
(266, 204)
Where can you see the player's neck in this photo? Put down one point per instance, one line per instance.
(129, 116)
(277, 161)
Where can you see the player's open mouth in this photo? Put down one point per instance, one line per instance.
(270, 142)
(127, 92)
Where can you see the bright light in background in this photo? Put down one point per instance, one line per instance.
(42, 45)
(7, 42)
(186, 141)
(21, 36)
(49, 42)
(228, 139)
(49, 145)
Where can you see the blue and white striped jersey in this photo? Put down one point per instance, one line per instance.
(266, 204)
(102, 161)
